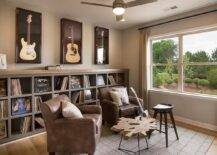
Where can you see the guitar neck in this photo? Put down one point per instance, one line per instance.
(28, 34)
(72, 36)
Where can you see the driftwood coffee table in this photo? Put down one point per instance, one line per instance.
(128, 127)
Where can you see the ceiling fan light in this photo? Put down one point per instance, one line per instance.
(119, 10)
(120, 18)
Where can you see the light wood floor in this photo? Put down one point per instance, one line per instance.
(191, 142)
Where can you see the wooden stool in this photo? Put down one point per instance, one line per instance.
(165, 109)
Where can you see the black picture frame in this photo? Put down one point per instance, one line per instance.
(101, 46)
(71, 33)
(30, 32)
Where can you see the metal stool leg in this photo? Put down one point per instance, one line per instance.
(155, 114)
(174, 124)
(139, 143)
(166, 128)
(160, 122)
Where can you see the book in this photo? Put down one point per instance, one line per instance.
(64, 83)
(3, 109)
(26, 124)
(3, 88)
(81, 97)
(21, 106)
(16, 87)
(3, 129)
(120, 79)
(87, 95)
(75, 82)
(100, 80)
(42, 85)
(38, 101)
(111, 80)
(40, 121)
(86, 81)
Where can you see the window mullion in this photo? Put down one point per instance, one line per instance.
(180, 65)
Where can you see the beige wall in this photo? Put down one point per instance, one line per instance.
(51, 39)
(194, 108)
(130, 44)
(124, 52)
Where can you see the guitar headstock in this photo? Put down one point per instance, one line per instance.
(29, 18)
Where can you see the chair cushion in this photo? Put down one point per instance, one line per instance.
(69, 110)
(116, 97)
(104, 93)
(97, 119)
(128, 110)
(123, 93)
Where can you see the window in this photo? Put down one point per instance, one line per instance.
(165, 67)
(186, 63)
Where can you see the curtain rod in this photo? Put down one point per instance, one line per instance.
(170, 21)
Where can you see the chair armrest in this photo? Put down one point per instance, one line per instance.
(91, 109)
(110, 111)
(133, 100)
(109, 103)
(79, 126)
(71, 132)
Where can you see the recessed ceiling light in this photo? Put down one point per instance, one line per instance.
(173, 7)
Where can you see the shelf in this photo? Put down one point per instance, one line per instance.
(3, 129)
(29, 82)
(61, 91)
(21, 115)
(44, 93)
(61, 83)
(37, 112)
(94, 87)
(4, 98)
(3, 87)
(78, 89)
(21, 96)
(21, 86)
(21, 125)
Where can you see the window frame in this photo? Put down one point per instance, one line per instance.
(180, 63)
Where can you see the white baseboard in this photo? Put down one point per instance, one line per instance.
(194, 123)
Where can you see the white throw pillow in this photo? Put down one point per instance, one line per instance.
(116, 97)
(123, 93)
(69, 110)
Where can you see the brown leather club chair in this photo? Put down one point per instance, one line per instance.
(111, 112)
(71, 135)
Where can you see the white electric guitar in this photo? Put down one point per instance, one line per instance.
(28, 50)
(72, 54)
(142, 111)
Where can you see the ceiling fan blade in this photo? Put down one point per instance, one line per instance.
(97, 4)
(139, 2)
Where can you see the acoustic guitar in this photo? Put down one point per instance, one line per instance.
(28, 50)
(72, 55)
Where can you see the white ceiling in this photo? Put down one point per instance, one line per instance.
(104, 16)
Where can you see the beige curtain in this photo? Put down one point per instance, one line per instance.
(144, 66)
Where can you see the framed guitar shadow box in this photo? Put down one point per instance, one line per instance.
(28, 36)
(101, 46)
(71, 42)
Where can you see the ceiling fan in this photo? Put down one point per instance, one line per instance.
(119, 6)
